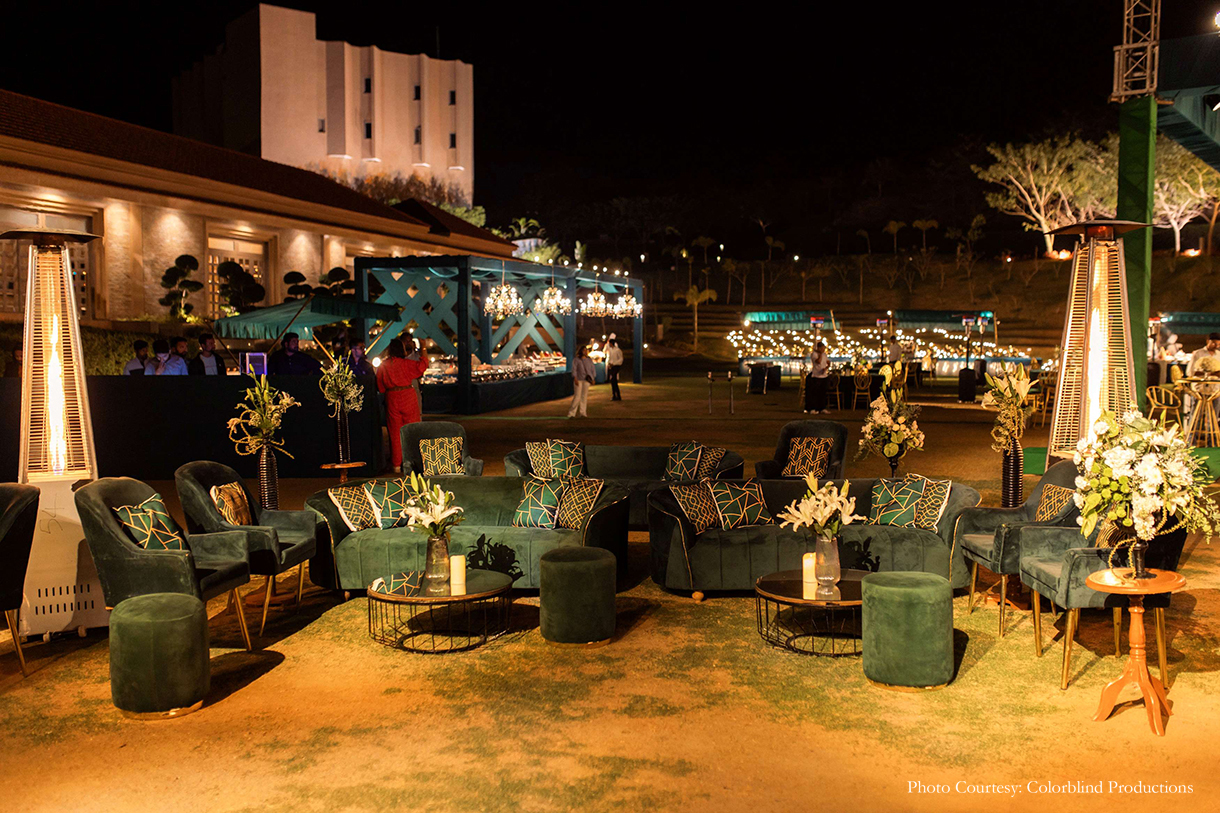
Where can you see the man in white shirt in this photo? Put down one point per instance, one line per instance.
(1210, 350)
(136, 365)
(614, 361)
(894, 352)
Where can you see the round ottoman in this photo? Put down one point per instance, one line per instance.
(576, 595)
(159, 655)
(907, 630)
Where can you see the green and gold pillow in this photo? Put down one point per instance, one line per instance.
(230, 500)
(539, 504)
(740, 505)
(682, 465)
(1052, 502)
(709, 461)
(899, 509)
(441, 456)
(808, 456)
(576, 502)
(388, 499)
(150, 525)
(567, 458)
(696, 501)
(930, 506)
(539, 454)
(354, 506)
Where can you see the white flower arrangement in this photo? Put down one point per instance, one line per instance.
(823, 510)
(431, 509)
(1138, 474)
(891, 429)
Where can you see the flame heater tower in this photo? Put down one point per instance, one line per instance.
(62, 591)
(1096, 370)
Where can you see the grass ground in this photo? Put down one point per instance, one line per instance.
(686, 709)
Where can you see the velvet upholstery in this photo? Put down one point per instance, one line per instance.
(639, 469)
(214, 563)
(1055, 562)
(159, 653)
(18, 513)
(907, 629)
(348, 560)
(987, 536)
(772, 469)
(279, 541)
(716, 559)
(576, 595)
(412, 433)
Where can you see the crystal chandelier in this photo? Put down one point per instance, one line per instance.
(627, 307)
(503, 301)
(595, 304)
(553, 301)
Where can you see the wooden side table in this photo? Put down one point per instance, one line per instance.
(342, 468)
(1136, 670)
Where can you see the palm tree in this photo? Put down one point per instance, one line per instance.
(892, 228)
(923, 226)
(694, 298)
(704, 243)
(867, 240)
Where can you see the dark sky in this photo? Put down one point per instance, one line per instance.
(584, 102)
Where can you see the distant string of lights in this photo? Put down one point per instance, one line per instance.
(865, 344)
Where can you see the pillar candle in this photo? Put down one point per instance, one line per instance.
(457, 575)
(808, 563)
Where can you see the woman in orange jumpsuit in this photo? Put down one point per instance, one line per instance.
(394, 378)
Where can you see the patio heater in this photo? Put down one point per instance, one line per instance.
(62, 591)
(1096, 371)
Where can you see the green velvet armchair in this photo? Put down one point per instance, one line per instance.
(277, 540)
(213, 564)
(986, 535)
(772, 469)
(1056, 561)
(18, 512)
(413, 433)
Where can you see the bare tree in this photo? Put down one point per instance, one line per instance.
(1183, 188)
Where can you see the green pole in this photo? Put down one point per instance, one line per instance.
(1136, 164)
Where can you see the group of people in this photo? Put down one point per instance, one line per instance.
(171, 357)
(584, 375)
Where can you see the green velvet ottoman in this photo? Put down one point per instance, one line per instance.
(907, 630)
(576, 595)
(159, 655)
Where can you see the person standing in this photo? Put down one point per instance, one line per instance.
(582, 377)
(207, 361)
(164, 362)
(614, 362)
(358, 361)
(396, 377)
(289, 360)
(893, 353)
(815, 384)
(139, 360)
(178, 346)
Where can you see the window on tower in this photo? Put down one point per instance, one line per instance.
(452, 140)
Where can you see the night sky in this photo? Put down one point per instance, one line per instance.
(764, 111)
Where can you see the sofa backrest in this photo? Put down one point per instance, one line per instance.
(620, 462)
(837, 432)
(1061, 474)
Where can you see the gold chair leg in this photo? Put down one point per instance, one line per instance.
(1036, 602)
(235, 601)
(1073, 617)
(266, 604)
(300, 582)
(1003, 601)
(1118, 629)
(1161, 658)
(974, 578)
(12, 618)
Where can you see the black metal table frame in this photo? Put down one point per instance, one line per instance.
(789, 625)
(448, 624)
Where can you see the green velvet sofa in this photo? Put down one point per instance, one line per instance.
(720, 559)
(640, 469)
(348, 560)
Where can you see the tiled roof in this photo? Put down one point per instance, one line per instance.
(444, 223)
(31, 119)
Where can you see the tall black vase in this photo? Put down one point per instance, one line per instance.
(268, 479)
(1011, 491)
(342, 436)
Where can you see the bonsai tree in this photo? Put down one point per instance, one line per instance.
(298, 288)
(238, 286)
(336, 282)
(178, 286)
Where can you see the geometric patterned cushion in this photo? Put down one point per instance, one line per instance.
(900, 510)
(808, 456)
(682, 465)
(539, 503)
(739, 506)
(150, 525)
(230, 501)
(931, 504)
(712, 455)
(354, 507)
(442, 456)
(388, 501)
(696, 501)
(883, 495)
(577, 502)
(540, 458)
(567, 458)
(1053, 500)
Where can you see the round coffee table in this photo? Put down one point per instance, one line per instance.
(404, 614)
(802, 618)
